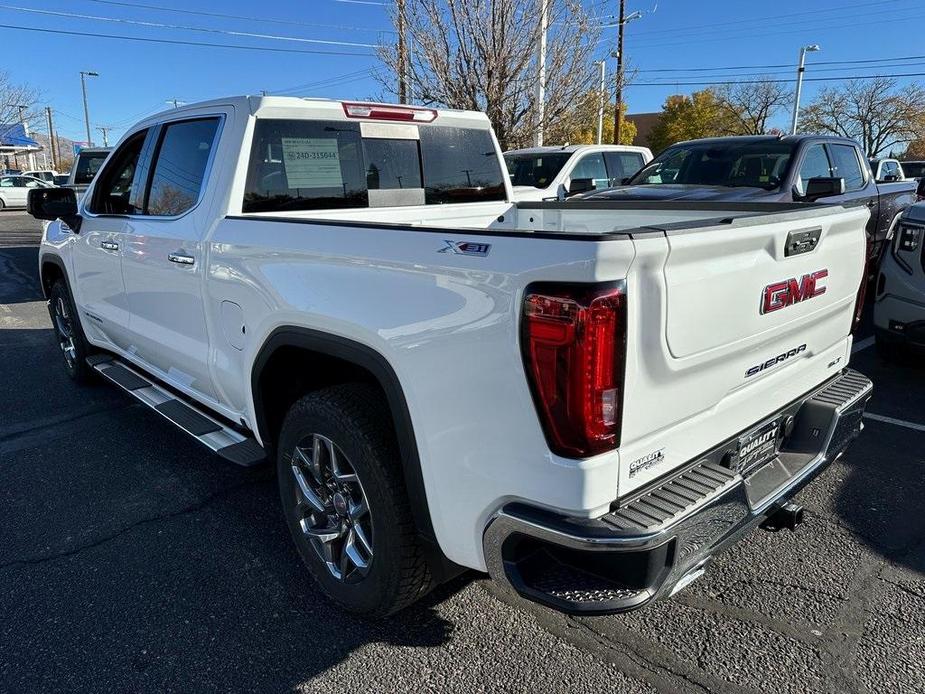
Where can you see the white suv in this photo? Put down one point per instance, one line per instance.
(544, 173)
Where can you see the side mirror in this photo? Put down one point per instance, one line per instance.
(49, 204)
(580, 185)
(823, 187)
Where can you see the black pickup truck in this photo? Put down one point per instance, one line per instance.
(767, 168)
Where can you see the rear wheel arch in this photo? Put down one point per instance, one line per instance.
(333, 360)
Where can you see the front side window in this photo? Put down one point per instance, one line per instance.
(180, 166)
(318, 165)
(846, 165)
(591, 166)
(815, 165)
(113, 192)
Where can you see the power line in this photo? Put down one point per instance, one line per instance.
(220, 15)
(177, 42)
(161, 25)
(672, 43)
(772, 18)
(842, 78)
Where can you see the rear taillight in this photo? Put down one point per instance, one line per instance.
(574, 349)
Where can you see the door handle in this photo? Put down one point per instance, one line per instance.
(181, 258)
(109, 245)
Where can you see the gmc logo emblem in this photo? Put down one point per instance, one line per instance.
(782, 294)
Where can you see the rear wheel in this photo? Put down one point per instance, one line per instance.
(345, 503)
(2, 204)
(68, 333)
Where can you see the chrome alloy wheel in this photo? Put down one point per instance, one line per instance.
(64, 330)
(332, 507)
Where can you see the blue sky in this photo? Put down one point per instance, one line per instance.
(669, 45)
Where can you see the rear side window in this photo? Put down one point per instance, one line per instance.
(845, 164)
(180, 166)
(318, 165)
(621, 165)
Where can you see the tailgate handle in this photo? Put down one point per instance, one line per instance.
(802, 241)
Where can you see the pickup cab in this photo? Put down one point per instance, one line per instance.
(588, 400)
(555, 173)
(791, 168)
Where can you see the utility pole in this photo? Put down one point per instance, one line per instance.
(105, 132)
(541, 75)
(618, 110)
(51, 138)
(402, 53)
(603, 100)
(83, 87)
(176, 102)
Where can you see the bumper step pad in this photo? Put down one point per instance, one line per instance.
(224, 440)
(664, 536)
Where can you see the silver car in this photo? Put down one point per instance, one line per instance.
(899, 311)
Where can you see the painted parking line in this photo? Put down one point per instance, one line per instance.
(863, 344)
(897, 422)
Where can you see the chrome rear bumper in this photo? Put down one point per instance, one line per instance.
(662, 537)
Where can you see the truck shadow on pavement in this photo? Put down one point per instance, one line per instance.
(133, 559)
(19, 280)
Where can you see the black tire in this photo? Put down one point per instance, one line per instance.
(69, 333)
(351, 417)
(888, 350)
(2, 205)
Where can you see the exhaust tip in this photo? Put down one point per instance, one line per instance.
(788, 517)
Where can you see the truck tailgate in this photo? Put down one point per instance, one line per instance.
(730, 323)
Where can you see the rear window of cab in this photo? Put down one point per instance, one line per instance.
(318, 165)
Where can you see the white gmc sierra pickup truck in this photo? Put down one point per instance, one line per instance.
(586, 399)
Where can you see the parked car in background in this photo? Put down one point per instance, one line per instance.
(10, 172)
(913, 169)
(47, 175)
(555, 173)
(899, 308)
(14, 190)
(588, 400)
(767, 168)
(85, 167)
(887, 170)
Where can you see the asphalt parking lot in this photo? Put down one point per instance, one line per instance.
(133, 560)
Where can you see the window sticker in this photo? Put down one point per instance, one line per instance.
(312, 162)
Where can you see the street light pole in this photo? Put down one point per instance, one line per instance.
(600, 108)
(812, 48)
(105, 131)
(83, 87)
(541, 75)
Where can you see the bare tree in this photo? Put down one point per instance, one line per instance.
(746, 107)
(482, 55)
(876, 113)
(12, 97)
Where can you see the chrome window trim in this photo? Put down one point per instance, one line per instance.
(158, 128)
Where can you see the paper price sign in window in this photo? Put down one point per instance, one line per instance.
(312, 162)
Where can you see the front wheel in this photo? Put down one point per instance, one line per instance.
(345, 502)
(68, 333)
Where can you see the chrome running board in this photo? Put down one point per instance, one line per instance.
(227, 442)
